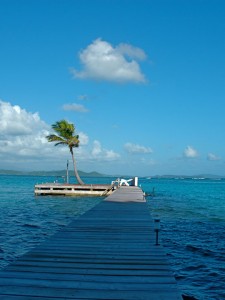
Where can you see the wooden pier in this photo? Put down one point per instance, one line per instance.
(107, 253)
(66, 189)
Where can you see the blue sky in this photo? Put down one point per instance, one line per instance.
(143, 81)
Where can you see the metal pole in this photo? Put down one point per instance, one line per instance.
(157, 237)
(67, 172)
(157, 228)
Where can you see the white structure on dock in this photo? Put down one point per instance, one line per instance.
(126, 182)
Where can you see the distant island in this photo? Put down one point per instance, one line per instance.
(51, 173)
(61, 173)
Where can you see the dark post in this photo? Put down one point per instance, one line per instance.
(157, 228)
(67, 172)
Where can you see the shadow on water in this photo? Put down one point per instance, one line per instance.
(185, 297)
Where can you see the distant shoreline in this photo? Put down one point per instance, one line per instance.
(62, 173)
(51, 173)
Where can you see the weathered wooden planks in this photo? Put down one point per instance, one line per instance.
(108, 253)
(67, 189)
(127, 194)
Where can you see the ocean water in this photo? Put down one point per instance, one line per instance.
(192, 214)
(191, 211)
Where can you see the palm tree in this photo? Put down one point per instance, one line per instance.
(66, 136)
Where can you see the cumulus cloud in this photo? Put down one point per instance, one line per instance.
(97, 149)
(83, 138)
(135, 148)
(22, 134)
(190, 152)
(23, 142)
(75, 107)
(130, 51)
(17, 121)
(103, 154)
(102, 61)
(213, 157)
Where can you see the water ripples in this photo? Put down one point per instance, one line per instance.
(193, 233)
(192, 215)
(27, 220)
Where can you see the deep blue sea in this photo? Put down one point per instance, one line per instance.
(191, 211)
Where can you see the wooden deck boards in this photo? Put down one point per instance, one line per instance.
(108, 253)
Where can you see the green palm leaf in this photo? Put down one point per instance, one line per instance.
(66, 136)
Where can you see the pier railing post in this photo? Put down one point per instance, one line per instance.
(157, 229)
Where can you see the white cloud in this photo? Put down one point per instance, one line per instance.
(130, 51)
(97, 148)
(190, 152)
(17, 121)
(213, 157)
(111, 155)
(135, 148)
(22, 134)
(102, 61)
(75, 107)
(23, 137)
(103, 154)
(23, 143)
(83, 138)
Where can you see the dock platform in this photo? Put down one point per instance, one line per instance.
(107, 253)
(67, 189)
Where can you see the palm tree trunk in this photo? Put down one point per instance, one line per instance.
(75, 169)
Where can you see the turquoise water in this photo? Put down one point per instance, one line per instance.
(192, 214)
